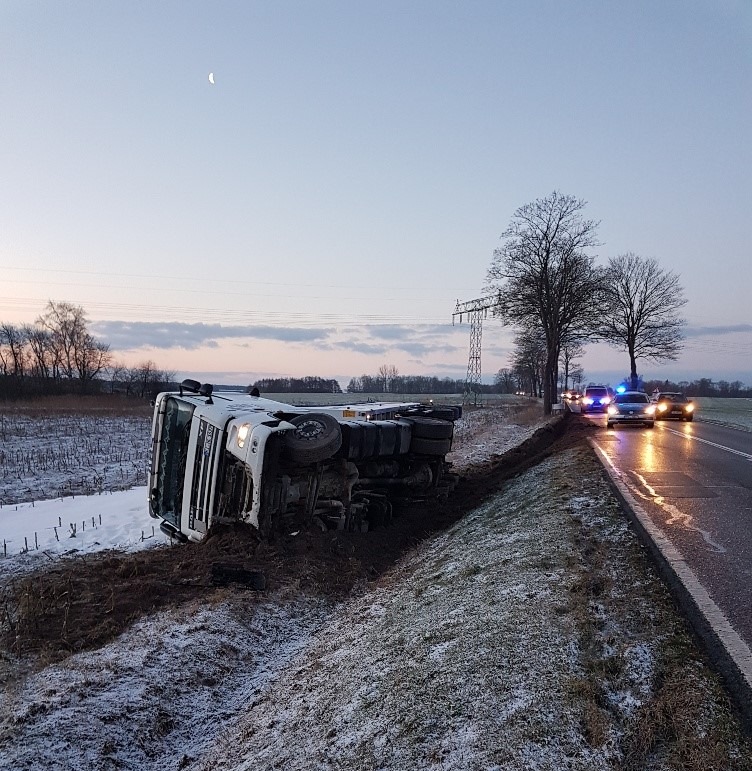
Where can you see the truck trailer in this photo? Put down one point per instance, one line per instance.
(227, 457)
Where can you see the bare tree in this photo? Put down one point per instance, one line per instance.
(644, 302)
(529, 360)
(546, 279)
(13, 350)
(90, 357)
(504, 380)
(577, 373)
(66, 325)
(72, 351)
(570, 351)
(41, 350)
(387, 374)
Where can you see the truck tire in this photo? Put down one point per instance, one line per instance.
(421, 446)
(431, 428)
(445, 413)
(317, 436)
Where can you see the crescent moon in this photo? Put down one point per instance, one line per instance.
(211, 78)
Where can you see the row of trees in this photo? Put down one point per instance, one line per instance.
(405, 384)
(528, 366)
(58, 354)
(702, 387)
(57, 346)
(547, 286)
(297, 385)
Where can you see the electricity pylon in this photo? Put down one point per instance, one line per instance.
(476, 311)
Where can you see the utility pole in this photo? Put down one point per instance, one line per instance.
(476, 311)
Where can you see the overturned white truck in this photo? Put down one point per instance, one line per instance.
(232, 457)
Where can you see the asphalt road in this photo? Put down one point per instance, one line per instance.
(694, 480)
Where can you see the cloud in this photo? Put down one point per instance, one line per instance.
(401, 332)
(418, 341)
(130, 335)
(720, 330)
(379, 339)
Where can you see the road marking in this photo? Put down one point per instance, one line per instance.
(712, 444)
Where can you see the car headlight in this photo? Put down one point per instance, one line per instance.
(606, 400)
(662, 407)
(650, 409)
(689, 408)
(613, 410)
(243, 432)
(587, 400)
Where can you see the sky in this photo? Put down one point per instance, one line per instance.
(322, 206)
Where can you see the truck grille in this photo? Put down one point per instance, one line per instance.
(204, 471)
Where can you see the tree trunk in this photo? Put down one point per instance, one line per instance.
(634, 382)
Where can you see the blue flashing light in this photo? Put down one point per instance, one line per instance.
(620, 389)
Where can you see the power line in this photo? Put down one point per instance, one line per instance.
(203, 281)
(267, 318)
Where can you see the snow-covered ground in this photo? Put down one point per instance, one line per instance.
(473, 653)
(73, 525)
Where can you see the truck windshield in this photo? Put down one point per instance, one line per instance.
(167, 493)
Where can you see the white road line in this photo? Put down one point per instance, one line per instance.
(705, 441)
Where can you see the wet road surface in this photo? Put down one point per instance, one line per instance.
(694, 480)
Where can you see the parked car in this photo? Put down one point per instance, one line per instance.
(631, 407)
(596, 398)
(673, 406)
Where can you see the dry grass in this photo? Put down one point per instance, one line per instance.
(72, 404)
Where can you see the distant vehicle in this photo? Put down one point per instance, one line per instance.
(631, 407)
(596, 398)
(673, 406)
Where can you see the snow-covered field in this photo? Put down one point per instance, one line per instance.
(730, 412)
(502, 643)
(61, 455)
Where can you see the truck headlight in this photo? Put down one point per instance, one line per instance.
(243, 432)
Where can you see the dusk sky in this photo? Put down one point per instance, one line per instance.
(319, 209)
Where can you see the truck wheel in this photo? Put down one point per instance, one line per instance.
(317, 436)
(431, 428)
(444, 413)
(422, 446)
